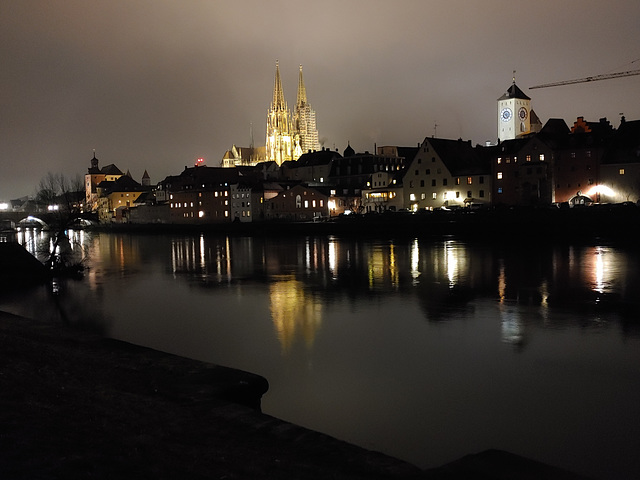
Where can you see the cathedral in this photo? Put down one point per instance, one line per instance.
(289, 137)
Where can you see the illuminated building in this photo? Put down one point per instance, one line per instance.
(515, 117)
(280, 146)
(287, 139)
(446, 173)
(383, 190)
(94, 176)
(304, 118)
(117, 197)
(243, 156)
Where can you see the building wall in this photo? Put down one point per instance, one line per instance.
(618, 183)
(241, 203)
(299, 203)
(195, 207)
(428, 184)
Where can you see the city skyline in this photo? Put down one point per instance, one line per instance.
(155, 85)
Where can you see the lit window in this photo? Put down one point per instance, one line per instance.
(412, 197)
(528, 157)
(226, 213)
(469, 181)
(313, 203)
(200, 214)
(434, 195)
(499, 189)
(306, 204)
(542, 157)
(621, 171)
(423, 196)
(499, 176)
(499, 160)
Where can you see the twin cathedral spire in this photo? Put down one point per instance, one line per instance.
(288, 138)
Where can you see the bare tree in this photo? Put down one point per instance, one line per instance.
(63, 199)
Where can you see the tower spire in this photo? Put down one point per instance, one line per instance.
(278, 94)
(302, 91)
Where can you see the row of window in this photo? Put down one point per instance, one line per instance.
(224, 193)
(189, 204)
(445, 195)
(445, 181)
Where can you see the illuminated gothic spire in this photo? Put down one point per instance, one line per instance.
(278, 94)
(302, 92)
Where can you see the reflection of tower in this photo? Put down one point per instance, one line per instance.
(280, 140)
(293, 311)
(305, 120)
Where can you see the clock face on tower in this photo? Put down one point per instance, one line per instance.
(506, 114)
(522, 113)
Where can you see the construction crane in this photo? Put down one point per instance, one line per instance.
(595, 78)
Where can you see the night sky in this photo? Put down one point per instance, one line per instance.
(155, 84)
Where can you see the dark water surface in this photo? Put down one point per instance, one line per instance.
(426, 350)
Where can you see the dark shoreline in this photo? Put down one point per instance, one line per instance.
(76, 405)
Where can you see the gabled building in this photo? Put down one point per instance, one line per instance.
(94, 176)
(578, 155)
(243, 156)
(116, 197)
(199, 194)
(446, 173)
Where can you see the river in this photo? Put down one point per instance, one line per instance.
(424, 349)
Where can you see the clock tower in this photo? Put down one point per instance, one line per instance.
(514, 113)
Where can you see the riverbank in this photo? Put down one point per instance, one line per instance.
(76, 405)
(546, 225)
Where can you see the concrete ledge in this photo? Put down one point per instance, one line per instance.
(75, 405)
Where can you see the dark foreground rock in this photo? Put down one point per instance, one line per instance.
(75, 405)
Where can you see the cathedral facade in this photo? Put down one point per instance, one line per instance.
(287, 137)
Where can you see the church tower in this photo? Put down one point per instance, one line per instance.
(514, 113)
(305, 120)
(280, 145)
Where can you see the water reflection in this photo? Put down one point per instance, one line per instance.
(293, 312)
(384, 342)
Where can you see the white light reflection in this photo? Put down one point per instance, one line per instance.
(333, 267)
(454, 259)
(415, 261)
(203, 260)
(599, 270)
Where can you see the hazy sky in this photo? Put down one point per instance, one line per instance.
(154, 84)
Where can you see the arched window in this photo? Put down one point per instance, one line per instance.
(298, 201)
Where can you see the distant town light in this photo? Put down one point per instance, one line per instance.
(199, 161)
(52, 208)
(4, 206)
